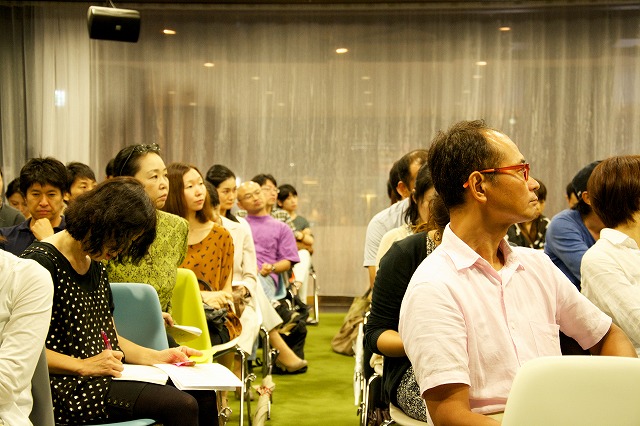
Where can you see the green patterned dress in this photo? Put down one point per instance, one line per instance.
(159, 266)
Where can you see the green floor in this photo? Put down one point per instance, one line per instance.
(321, 396)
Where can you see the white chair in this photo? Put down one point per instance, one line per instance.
(575, 390)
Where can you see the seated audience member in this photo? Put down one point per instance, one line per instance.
(399, 384)
(168, 250)
(16, 198)
(113, 222)
(26, 291)
(81, 179)
(270, 192)
(572, 231)
(531, 233)
(276, 249)
(245, 271)
(8, 215)
(610, 267)
(288, 201)
(407, 169)
(224, 180)
(209, 254)
(44, 183)
(476, 308)
(417, 213)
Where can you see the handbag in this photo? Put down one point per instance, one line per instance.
(344, 340)
(223, 324)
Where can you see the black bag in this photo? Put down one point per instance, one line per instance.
(216, 319)
(294, 313)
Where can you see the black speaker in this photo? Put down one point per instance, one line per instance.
(109, 23)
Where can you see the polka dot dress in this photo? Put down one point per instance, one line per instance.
(81, 309)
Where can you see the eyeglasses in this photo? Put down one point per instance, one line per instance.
(524, 167)
(251, 195)
(270, 189)
(154, 147)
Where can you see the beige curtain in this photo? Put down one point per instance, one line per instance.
(563, 82)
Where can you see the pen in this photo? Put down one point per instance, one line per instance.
(107, 343)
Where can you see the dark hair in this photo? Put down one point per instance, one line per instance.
(215, 176)
(175, 200)
(285, 191)
(76, 170)
(13, 187)
(569, 190)
(454, 155)
(109, 169)
(541, 192)
(262, 178)
(423, 184)
(213, 195)
(116, 214)
(404, 165)
(127, 161)
(392, 183)
(218, 174)
(614, 190)
(45, 171)
(438, 218)
(579, 183)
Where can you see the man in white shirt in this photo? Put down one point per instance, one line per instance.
(476, 309)
(405, 171)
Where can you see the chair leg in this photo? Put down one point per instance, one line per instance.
(266, 352)
(316, 288)
(246, 380)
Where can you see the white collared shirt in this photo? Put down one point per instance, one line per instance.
(611, 280)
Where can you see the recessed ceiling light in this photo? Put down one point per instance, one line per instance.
(209, 64)
(169, 32)
(255, 78)
(481, 63)
(341, 50)
(505, 29)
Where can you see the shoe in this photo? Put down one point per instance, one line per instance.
(298, 368)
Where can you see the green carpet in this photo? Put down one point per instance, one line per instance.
(321, 396)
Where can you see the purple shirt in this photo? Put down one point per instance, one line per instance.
(274, 241)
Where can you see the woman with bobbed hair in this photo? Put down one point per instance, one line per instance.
(116, 221)
(609, 269)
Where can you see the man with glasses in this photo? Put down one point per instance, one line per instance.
(276, 249)
(476, 309)
(43, 181)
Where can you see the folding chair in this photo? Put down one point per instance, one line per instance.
(316, 306)
(187, 309)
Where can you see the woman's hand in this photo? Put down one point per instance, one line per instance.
(217, 299)
(168, 320)
(179, 354)
(106, 363)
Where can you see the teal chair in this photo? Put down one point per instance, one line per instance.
(138, 317)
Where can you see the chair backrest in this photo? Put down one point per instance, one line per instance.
(186, 307)
(138, 315)
(575, 390)
(42, 411)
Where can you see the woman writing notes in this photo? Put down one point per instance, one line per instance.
(117, 221)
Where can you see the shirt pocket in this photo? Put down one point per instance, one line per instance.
(546, 337)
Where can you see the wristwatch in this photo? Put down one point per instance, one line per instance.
(273, 268)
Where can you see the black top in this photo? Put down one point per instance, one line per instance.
(82, 307)
(396, 269)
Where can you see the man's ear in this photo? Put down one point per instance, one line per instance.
(476, 186)
(403, 190)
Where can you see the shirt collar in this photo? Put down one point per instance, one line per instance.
(464, 257)
(618, 238)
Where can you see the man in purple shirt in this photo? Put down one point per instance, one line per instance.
(276, 249)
